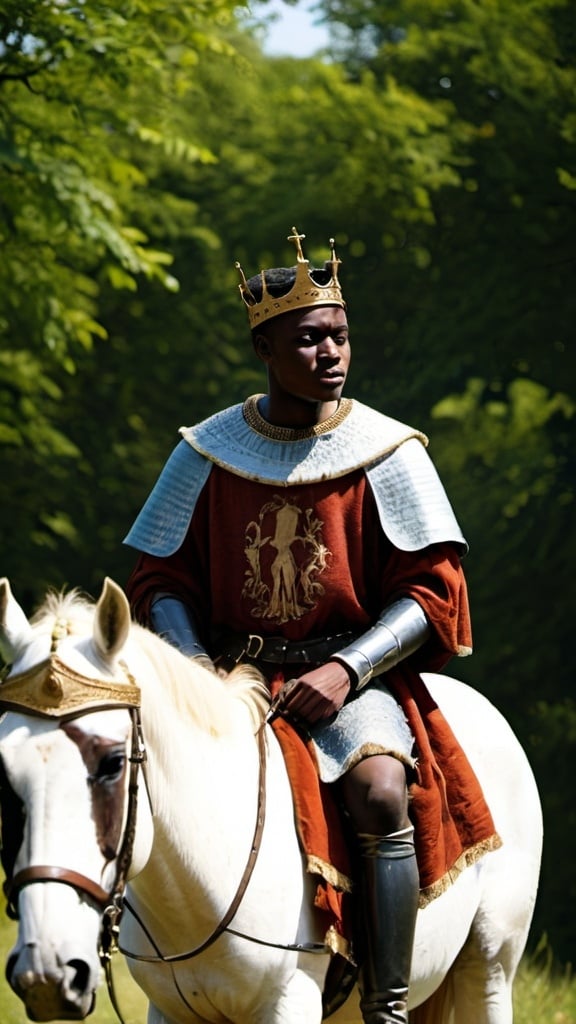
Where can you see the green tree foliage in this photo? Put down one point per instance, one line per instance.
(85, 90)
(500, 249)
(484, 338)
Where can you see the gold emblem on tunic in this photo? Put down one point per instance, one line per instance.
(284, 586)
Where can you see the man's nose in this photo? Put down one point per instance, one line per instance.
(328, 346)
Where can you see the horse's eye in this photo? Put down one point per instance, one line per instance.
(110, 768)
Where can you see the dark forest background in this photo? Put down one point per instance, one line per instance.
(145, 145)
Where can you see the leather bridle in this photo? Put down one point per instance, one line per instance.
(91, 889)
(109, 902)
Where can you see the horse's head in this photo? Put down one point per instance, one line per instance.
(68, 750)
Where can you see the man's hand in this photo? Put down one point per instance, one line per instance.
(315, 696)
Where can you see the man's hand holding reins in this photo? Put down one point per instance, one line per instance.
(315, 696)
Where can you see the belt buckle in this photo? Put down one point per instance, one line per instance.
(258, 640)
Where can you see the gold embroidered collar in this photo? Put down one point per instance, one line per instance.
(255, 420)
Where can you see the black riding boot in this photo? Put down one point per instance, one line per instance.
(389, 901)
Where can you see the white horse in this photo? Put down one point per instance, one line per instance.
(212, 872)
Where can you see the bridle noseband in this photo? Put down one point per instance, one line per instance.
(45, 873)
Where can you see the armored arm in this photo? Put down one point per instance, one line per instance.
(400, 630)
(171, 619)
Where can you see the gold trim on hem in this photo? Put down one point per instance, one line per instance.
(336, 943)
(317, 866)
(466, 859)
(371, 750)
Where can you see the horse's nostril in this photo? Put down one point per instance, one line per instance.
(80, 977)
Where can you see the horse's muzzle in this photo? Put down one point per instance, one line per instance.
(65, 992)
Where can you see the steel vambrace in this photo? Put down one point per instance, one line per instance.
(401, 629)
(173, 621)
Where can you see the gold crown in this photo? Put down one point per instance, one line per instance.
(304, 292)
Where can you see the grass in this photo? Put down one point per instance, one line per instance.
(543, 992)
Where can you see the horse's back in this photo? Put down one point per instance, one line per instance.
(480, 981)
(497, 758)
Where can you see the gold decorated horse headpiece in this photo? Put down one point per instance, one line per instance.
(52, 689)
(305, 291)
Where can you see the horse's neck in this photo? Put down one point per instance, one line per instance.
(203, 791)
(205, 800)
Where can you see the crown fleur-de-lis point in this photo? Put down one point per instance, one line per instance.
(297, 239)
(334, 259)
(244, 287)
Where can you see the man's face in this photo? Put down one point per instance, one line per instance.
(307, 352)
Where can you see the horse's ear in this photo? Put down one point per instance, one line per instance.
(15, 629)
(112, 620)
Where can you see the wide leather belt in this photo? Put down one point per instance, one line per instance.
(276, 649)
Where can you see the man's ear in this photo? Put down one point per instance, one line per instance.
(261, 346)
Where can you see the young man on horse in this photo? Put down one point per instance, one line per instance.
(309, 534)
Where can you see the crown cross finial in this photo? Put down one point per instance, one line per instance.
(298, 239)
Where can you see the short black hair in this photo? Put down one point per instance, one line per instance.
(279, 280)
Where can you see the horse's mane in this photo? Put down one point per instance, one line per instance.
(206, 698)
(72, 607)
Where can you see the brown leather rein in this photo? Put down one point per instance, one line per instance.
(222, 926)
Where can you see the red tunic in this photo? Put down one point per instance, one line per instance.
(302, 562)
